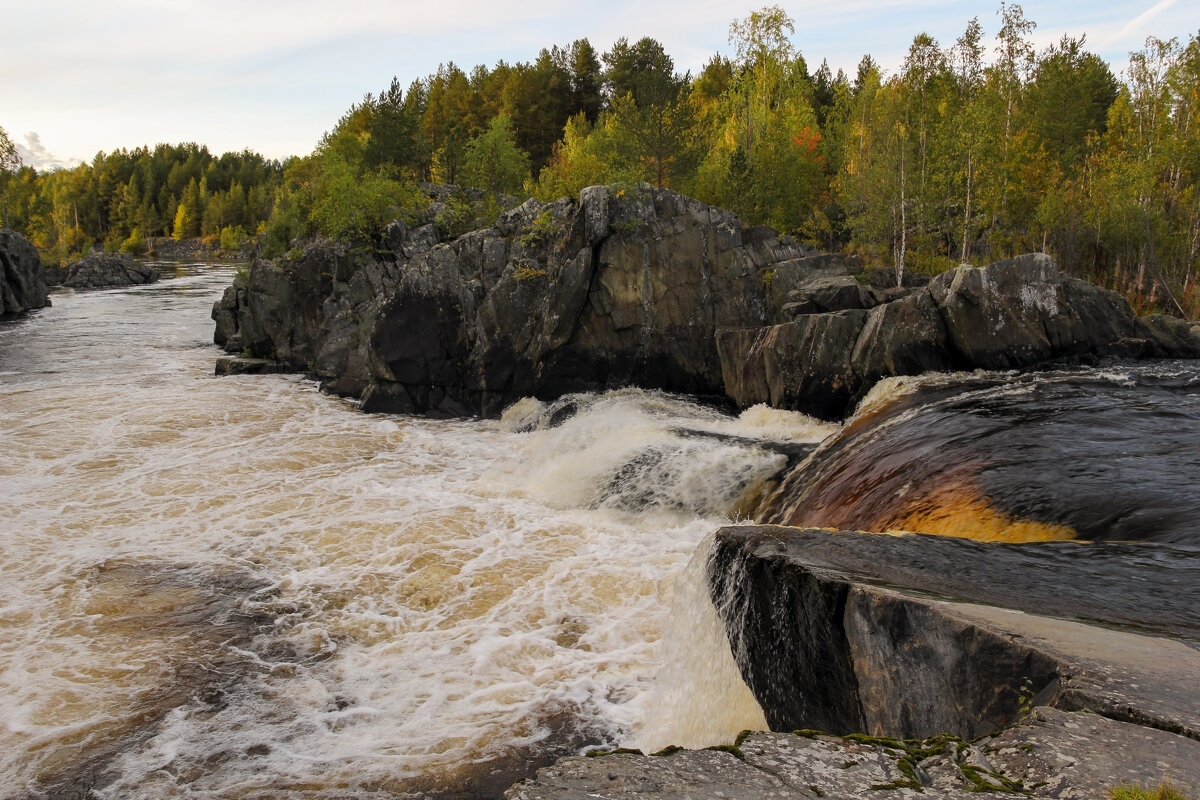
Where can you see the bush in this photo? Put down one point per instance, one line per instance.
(135, 245)
(1164, 791)
(232, 237)
(457, 217)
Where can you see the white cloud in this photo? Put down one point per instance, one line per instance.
(35, 154)
(271, 75)
(1137, 25)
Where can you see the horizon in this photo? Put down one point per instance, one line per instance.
(128, 75)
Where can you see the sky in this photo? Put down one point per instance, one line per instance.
(81, 76)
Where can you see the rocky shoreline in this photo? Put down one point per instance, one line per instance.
(649, 288)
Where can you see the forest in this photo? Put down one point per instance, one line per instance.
(972, 150)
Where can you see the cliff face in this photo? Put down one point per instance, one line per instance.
(22, 285)
(616, 288)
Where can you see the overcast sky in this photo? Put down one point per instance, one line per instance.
(272, 76)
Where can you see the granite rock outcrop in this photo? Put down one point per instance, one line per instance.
(22, 282)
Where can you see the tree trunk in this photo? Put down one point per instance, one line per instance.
(967, 213)
(903, 221)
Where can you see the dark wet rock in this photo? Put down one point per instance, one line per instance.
(1070, 454)
(884, 279)
(22, 282)
(829, 293)
(103, 270)
(803, 364)
(650, 288)
(866, 647)
(1012, 314)
(817, 284)
(235, 365)
(619, 287)
(56, 274)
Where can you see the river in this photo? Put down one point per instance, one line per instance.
(239, 587)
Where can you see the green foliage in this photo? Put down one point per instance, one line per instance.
(527, 272)
(135, 245)
(232, 237)
(67, 211)
(543, 228)
(493, 162)
(763, 152)
(457, 216)
(10, 162)
(586, 156)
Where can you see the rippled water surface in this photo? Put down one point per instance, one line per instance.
(242, 588)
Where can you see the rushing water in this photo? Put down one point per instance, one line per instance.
(242, 588)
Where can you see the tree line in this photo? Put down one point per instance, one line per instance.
(971, 151)
(123, 198)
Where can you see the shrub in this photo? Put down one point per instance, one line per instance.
(135, 245)
(232, 237)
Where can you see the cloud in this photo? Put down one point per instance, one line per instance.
(1138, 23)
(35, 154)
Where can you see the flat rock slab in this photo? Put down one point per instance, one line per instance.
(1052, 754)
(1149, 680)
(236, 365)
(1150, 587)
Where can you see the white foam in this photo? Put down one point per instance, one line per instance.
(699, 698)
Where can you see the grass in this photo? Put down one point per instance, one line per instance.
(1164, 791)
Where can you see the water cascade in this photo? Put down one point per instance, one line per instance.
(241, 587)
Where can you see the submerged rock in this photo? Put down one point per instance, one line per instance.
(22, 282)
(232, 365)
(103, 270)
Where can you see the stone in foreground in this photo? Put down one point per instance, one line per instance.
(1052, 754)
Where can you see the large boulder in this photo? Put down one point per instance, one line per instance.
(1048, 455)
(914, 635)
(1012, 314)
(22, 285)
(104, 270)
